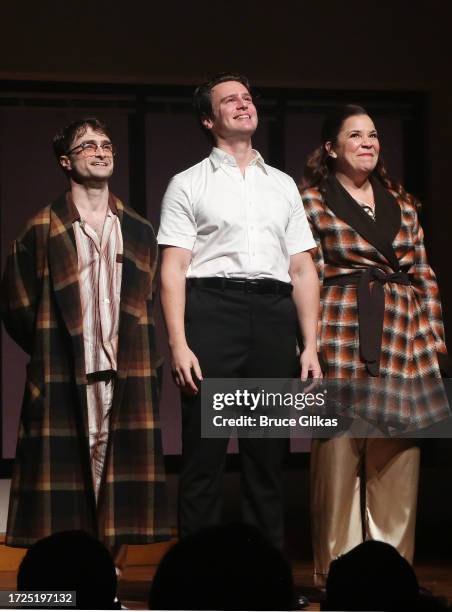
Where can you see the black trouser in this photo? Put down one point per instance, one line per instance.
(235, 334)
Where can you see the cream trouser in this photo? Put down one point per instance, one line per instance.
(99, 397)
(341, 520)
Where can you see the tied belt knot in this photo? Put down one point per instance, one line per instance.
(371, 309)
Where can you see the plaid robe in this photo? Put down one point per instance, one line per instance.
(52, 487)
(349, 241)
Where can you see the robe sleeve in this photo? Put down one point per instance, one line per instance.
(19, 293)
(424, 282)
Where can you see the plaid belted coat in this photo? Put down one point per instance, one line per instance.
(52, 487)
(349, 241)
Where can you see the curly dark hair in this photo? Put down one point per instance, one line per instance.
(320, 164)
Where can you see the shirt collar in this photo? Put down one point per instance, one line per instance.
(218, 158)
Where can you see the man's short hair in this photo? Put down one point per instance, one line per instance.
(65, 137)
(202, 101)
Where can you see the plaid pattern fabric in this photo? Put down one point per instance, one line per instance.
(52, 487)
(412, 329)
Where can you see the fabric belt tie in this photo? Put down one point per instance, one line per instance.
(371, 309)
(260, 285)
(103, 375)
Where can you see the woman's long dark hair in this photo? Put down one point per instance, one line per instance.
(320, 164)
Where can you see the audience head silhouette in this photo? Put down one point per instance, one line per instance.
(231, 567)
(372, 576)
(71, 561)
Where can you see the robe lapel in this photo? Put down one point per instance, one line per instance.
(381, 232)
(135, 289)
(63, 267)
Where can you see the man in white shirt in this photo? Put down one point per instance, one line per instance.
(236, 251)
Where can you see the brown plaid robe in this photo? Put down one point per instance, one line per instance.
(52, 487)
(349, 241)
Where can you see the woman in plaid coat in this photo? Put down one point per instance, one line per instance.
(381, 317)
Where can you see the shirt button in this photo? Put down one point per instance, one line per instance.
(106, 301)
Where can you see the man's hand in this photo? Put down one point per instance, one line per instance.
(310, 363)
(183, 361)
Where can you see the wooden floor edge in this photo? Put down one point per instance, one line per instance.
(137, 554)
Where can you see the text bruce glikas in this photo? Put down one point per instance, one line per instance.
(265, 399)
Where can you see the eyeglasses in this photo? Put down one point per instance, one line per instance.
(89, 149)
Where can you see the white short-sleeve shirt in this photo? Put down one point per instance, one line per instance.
(237, 226)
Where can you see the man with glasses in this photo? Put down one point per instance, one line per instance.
(237, 281)
(77, 296)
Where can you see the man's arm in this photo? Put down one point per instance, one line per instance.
(175, 262)
(306, 296)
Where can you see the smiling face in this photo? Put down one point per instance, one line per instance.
(234, 116)
(82, 165)
(357, 147)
